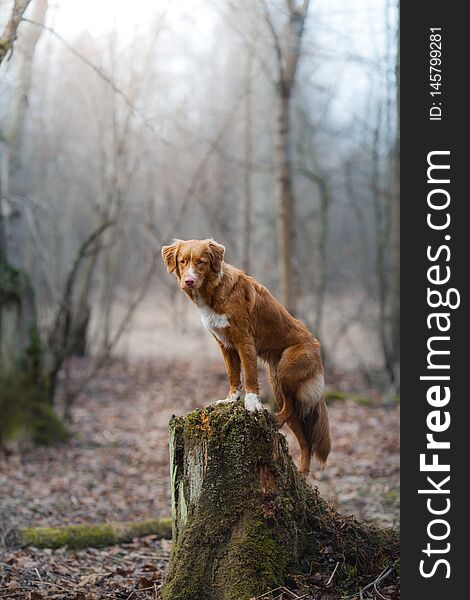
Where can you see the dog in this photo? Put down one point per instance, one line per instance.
(248, 322)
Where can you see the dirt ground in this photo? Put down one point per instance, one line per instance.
(116, 468)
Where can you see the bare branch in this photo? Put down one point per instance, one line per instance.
(107, 78)
(276, 41)
(60, 342)
(104, 357)
(250, 44)
(213, 147)
(8, 37)
(294, 37)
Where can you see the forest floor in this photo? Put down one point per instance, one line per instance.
(115, 468)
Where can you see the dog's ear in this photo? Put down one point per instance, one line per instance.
(216, 253)
(169, 255)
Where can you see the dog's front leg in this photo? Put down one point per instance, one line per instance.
(233, 368)
(247, 352)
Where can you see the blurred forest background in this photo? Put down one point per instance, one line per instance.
(162, 120)
(271, 126)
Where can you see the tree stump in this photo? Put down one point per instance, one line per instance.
(244, 519)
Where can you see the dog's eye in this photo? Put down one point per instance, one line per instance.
(200, 261)
(183, 261)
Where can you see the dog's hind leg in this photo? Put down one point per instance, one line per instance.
(277, 390)
(293, 368)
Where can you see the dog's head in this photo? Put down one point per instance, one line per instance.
(193, 261)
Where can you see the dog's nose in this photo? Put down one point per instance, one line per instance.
(189, 281)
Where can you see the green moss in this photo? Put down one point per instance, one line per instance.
(331, 395)
(10, 282)
(25, 399)
(255, 560)
(32, 359)
(27, 415)
(362, 399)
(338, 395)
(95, 536)
(78, 536)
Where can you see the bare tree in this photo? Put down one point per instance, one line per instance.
(248, 170)
(25, 397)
(309, 166)
(12, 136)
(395, 229)
(386, 190)
(287, 47)
(16, 308)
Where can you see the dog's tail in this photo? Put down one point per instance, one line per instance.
(314, 418)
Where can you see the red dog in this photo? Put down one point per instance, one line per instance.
(247, 321)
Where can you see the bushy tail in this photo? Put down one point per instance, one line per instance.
(316, 427)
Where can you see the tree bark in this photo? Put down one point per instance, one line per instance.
(12, 137)
(244, 519)
(8, 36)
(286, 204)
(247, 179)
(25, 396)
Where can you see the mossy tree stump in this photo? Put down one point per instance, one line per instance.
(244, 519)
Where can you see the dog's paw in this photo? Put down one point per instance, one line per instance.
(230, 398)
(253, 402)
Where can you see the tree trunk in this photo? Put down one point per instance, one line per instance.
(244, 518)
(395, 234)
(12, 136)
(8, 36)
(247, 180)
(286, 204)
(287, 49)
(25, 396)
(17, 317)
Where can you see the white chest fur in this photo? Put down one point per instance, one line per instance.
(214, 322)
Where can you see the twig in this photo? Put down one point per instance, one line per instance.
(61, 587)
(101, 360)
(381, 577)
(266, 593)
(332, 575)
(281, 589)
(377, 591)
(45, 262)
(276, 42)
(200, 169)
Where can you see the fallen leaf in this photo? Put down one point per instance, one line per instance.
(92, 579)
